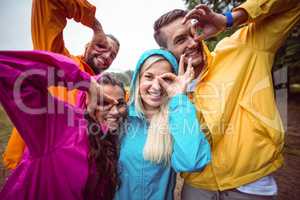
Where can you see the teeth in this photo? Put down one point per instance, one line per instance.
(111, 119)
(155, 94)
(101, 60)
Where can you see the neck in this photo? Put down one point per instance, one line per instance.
(149, 113)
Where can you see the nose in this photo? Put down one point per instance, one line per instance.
(192, 43)
(105, 54)
(114, 110)
(156, 84)
(108, 56)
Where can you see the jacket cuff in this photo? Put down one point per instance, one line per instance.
(253, 8)
(178, 100)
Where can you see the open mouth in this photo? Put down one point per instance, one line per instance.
(111, 119)
(102, 61)
(155, 96)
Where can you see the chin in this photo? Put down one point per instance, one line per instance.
(113, 128)
(101, 68)
(197, 60)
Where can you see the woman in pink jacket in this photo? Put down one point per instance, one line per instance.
(70, 155)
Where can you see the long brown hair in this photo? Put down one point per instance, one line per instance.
(103, 179)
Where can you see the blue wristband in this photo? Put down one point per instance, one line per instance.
(229, 19)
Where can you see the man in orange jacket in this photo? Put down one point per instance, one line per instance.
(48, 20)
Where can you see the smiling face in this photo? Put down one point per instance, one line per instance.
(113, 115)
(151, 92)
(180, 40)
(98, 57)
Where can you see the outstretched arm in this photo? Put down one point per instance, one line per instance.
(24, 78)
(269, 22)
(212, 23)
(49, 18)
(191, 150)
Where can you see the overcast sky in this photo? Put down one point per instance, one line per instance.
(130, 21)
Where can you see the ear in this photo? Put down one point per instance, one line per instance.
(86, 49)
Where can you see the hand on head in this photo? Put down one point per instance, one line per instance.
(173, 84)
(208, 21)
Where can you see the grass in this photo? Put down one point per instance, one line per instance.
(5, 129)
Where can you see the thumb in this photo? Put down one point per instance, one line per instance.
(201, 37)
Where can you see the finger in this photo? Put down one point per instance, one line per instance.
(105, 97)
(181, 65)
(189, 68)
(91, 110)
(206, 34)
(188, 14)
(197, 31)
(192, 15)
(170, 76)
(91, 107)
(191, 75)
(105, 108)
(197, 25)
(109, 99)
(205, 8)
(163, 83)
(201, 37)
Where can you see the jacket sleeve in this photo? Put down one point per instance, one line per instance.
(24, 78)
(191, 150)
(13, 153)
(269, 22)
(49, 18)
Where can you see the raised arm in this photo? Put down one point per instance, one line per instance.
(24, 78)
(191, 150)
(269, 22)
(49, 18)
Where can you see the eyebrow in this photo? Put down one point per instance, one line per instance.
(146, 72)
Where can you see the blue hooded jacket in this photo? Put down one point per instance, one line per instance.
(142, 179)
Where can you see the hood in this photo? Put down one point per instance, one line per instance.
(160, 52)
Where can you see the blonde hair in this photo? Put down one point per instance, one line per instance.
(158, 146)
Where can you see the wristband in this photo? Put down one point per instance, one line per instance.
(229, 19)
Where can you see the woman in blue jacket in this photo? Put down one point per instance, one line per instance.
(163, 134)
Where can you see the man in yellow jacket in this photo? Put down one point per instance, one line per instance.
(48, 20)
(233, 93)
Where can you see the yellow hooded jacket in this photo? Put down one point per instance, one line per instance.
(235, 99)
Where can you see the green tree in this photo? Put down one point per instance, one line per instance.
(124, 77)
